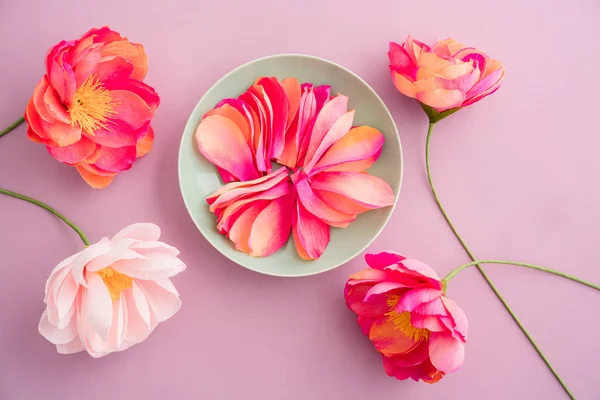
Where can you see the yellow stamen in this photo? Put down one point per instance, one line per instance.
(92, 106)
(402, 321)
(115, 281)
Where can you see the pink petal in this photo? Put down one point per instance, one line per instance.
(144, 91)
(163, 303)
(382, 288)
(340, 203)
(296, 144)
(355, 300)
(415, 298)
(117, 133)
(359, 144)
(318, 207)
(75, 346)
(137, 329)
(421, 268)
(97, 305)
(241, 229)
(365, 190)
(415, 357)
(434, 307)
(383, 259)
(215, 134)
(430, 322)
(326, 118)
(337, 131)
(311, 235)
(238, 191)
(228, 111)
(61, 133)
(116, 159)
(446, 353)
(459, 318)
(155, 265)
(365, 324)
(139, 231)
(280, 105)
(260, 136)
(75, 153)
(55, 335)
(399, 58)
(271, 228)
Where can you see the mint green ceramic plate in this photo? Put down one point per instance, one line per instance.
(198, 178)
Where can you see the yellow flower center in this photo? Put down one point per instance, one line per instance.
(115, 282)
(92, 106)
(401, 321)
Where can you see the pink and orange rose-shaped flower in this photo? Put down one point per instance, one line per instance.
(322, 183)
(91, 108)
(446, 76)
(402, 308)
(112, 294)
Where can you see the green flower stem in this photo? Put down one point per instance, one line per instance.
(457, 270)
(12, 126)
(84, 238)
(483, 273)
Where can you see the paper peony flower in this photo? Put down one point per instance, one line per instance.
(91, 108)
(112, 294)
(446, 76)
(322, 182)
(402, 308)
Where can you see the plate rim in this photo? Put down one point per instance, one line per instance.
(320, 59)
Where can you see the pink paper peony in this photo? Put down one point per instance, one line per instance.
(402, 308)
(112, 294)
(446, 76)
(323, 181)
(91, 109)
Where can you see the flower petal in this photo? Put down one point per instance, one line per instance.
(446, 353)
(139, 231)
(279, 114)
(222, 143)
(116, 159)
(337, 131)
(271, 228)
(94, 180)
(365, 190)
(144, 144)
(75, 153)
(293, 93)
(97, 305)
(326, 118)
(318, 207)
(383, 259)
(311, 234)
(390, 341)
(163, 303)
(241, 229)
(359, 144)
(414, 298)
(442, 99)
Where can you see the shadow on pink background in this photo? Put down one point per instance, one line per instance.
(518, 173)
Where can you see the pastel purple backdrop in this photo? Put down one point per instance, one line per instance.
(518, 173)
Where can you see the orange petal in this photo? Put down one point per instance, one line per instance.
(95, 181)
(234, 115)
(403, 85)
(293, 92)
(271, 229)
(365, 190)
(144, 144)
(239, 233)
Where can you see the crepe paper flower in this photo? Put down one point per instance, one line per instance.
(401, 307)
(322, 182)
(444, 77)
(91, 109)
(113, 293)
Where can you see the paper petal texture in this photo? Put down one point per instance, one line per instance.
(445, 76)
(112, 294)
(320, 182)
(400, 305)
(91, 109)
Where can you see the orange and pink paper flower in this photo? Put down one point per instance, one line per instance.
(445, 76)
(401, 307)
(91, 109)
(322, 180)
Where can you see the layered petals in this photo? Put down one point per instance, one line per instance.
(90, 98)
(446, 76)
(112, 294)
(401, 307)
(321, 183)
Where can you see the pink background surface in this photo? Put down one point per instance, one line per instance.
(518, 173)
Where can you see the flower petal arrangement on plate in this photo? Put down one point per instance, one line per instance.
(289, 153)
(322, 183)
